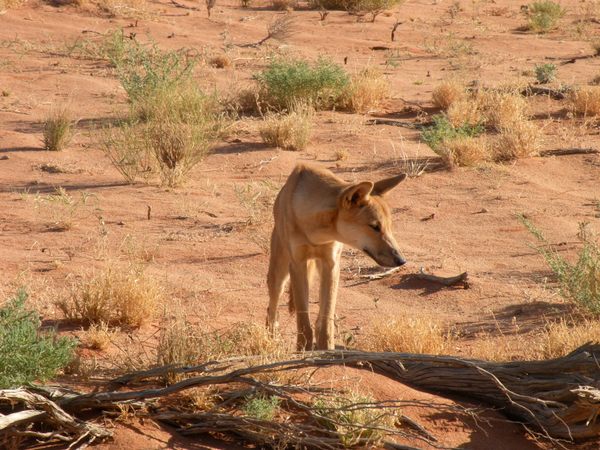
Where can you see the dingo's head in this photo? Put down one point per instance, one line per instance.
(364, 220)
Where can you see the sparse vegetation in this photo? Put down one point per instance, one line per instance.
(28, 352)
(409, 335)
(543, 15)
(288, 131)
(62, 208)
(519, 140)
(115, 296)
(447, 93)
(502, 109)
(585, 101)
(579, 281)
(365, 91)
(443, 131)
(286, 82)
(354, 421)
(545, 73)
(220, 61)
(58, 128)
(261, 407)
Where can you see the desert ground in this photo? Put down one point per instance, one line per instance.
(205, 243)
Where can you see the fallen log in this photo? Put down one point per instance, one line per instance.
(570, 151)
(559, 397)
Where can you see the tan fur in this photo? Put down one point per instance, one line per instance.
(315, 214)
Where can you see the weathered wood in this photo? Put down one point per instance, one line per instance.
(462, 278)
(570, 151)
(556, 94)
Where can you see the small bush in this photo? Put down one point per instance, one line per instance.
(288, 131)
(62, 208)
(27, 352)
(284, 5)
(372, 7)
(220, 61)
(366, 90)
(519, 140)
(443, 131)
(261, 407)
(543, 15)
(287, 82)
(115, 296)
(464, 151)
(465, 111)
(355, 419)
(126, 148)
(409, 335)
(545, 73)
(502, 109)
(447, 93)
(585, 101)
(579, 281)
(58, 129)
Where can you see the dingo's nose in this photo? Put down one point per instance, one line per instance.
(398, 259)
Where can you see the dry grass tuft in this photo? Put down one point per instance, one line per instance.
(464, 151)
(115, 296)
(58, 128)
(562, 337)
(184, 343)
(411, 335)
(366, 90)
(465, 111)
(519, 140)
(126, 9)
(98, 336)
(8, 4)
(585, 101)
(288, 131)
(284, 5)
(220, 61)
(447, 93)
(502, 109)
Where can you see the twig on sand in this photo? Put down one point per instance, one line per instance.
(462, 278)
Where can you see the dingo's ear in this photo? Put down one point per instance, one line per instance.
(355, 195)
(382, 186)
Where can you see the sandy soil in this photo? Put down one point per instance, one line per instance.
(196, 242)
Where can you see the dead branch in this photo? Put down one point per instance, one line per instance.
(395, 123)
(560, 397)
(570, 151)
(396, 25)
(380, 275)
(446, 281)
(181, 5)
(556, 94)
(280, 29)
(41, 409)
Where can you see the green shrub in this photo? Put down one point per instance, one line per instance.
(442, 130)
(28, 353)
(579, 280)
(261, 407)
(287, 82)
(545, 73)
(543, 15)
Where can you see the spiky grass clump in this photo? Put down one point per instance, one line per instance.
(465, 111)
(58, 128)
(585, 101)
(502, 108)
(545, 73)
(410, 335)
(116, 296)
(447, 93)
(286, 82)
(366, 90)
(519, 140)
(562, 337)
(543, 15)
(288, 131)
(220, 61)
(464, 151)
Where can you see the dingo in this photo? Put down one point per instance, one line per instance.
(315, 214)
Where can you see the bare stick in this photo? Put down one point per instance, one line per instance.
(446, 281)
(570, 151)
(380, 275)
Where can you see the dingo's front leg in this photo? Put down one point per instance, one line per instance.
(330, 276)
(299, 286)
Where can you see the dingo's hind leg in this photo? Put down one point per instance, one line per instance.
(278, 275)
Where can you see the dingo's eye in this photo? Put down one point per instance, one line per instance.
(376, 226)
